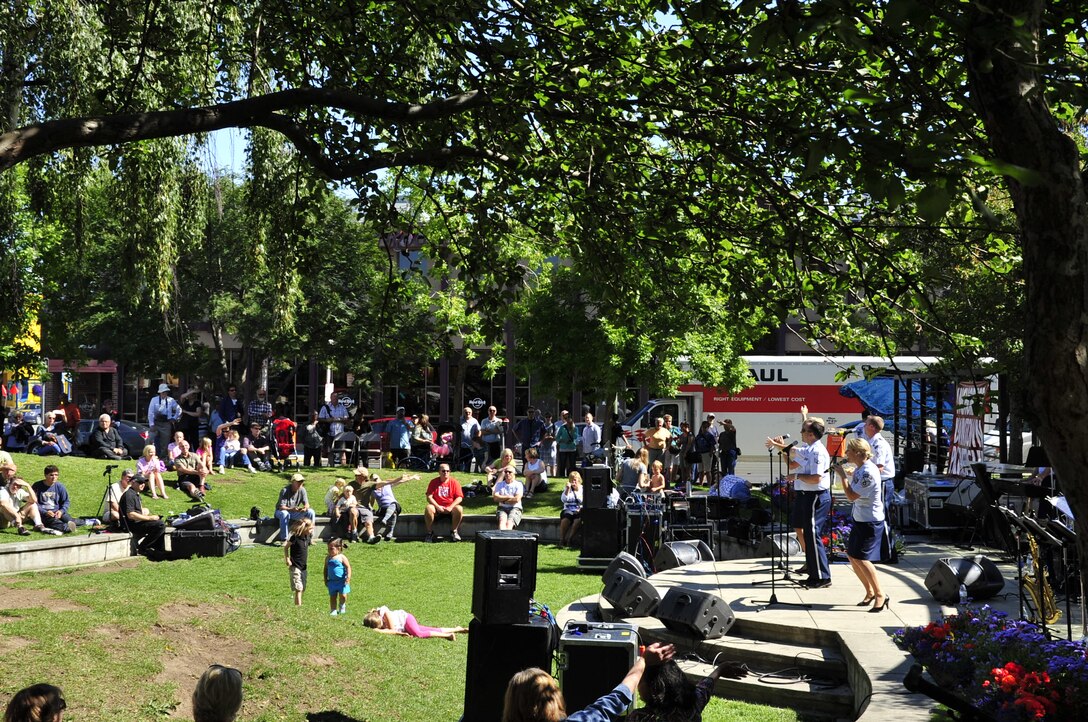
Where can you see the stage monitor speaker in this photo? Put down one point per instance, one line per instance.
(601, 533)
(496, 652)
(980, 575)
(682, 553)
(704, 615)
(631, 595)
(596, 486)
(779, 545)
(692, 532)
(593, 658)
(626, 562)
(505, 576)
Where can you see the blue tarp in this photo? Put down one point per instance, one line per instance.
(878, 396)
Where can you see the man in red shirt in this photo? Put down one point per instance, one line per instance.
(444, 496)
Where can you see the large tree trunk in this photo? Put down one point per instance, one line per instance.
(1053, 216)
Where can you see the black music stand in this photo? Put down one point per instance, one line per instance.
(1045, 537)
(1019, 530)
(1068, 538)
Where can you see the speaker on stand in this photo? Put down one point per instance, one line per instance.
(505, 576)
(596, 486)
(496, 652)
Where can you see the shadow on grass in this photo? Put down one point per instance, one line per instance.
(329, 716)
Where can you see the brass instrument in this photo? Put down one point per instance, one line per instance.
(1041, 606)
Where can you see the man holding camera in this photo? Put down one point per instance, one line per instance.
(162, 413)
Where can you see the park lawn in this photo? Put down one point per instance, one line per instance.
(127, 641)
(238, 491)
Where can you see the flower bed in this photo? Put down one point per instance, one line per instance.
(1004, 666)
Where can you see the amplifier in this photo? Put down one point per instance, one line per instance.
(593, 659)
(701, 532)
(644, 527)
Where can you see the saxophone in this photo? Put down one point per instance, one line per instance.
(1041, 606)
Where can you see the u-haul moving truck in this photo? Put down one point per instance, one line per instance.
(772, 405)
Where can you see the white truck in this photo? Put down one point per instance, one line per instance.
(772, 405)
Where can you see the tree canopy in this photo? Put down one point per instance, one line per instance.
(701, 166)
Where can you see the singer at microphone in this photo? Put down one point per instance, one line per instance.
(781, 443)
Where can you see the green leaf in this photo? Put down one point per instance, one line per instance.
(1025, 176)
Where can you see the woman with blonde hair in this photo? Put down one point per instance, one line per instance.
(150, 467)
(218, 695)
(863, 548)
(533, 695)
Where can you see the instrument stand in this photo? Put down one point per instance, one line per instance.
(774, 600)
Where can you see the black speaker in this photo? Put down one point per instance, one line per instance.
(601, 533)
(644, 531)
(681, 553)
(596, 486)
(779, 545)
(631, 595)
(980, 575)
(496, 652)
(505, 576)
(624, 561)
(701, 614)
(593, 658)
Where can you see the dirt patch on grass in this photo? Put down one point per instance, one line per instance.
(10, 644)
(14, 598)
(129, 563)
(191, 649)
(317, 660)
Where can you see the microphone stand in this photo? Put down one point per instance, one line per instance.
(774, 600)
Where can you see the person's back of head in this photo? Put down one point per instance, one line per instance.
(533, 695)
(37, 703)
(667, 694)
(218, 695)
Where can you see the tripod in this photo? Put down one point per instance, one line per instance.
(102, 503)
(786, 576)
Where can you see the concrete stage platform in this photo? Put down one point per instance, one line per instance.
(831, 659)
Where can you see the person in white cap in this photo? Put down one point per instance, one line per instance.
(162, 413)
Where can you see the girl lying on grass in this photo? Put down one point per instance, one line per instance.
(398, 621)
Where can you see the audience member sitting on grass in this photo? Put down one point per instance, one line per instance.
(382, 492)
(444, 496)
(507, 494)
(53, 440)
(205, 454)
(25, 501)
(106, 440)
(668, 694)
(111, 515)
(536, 475)
(261, 450)
(150, 466)
(9, 511)
(232, 453)
(20, 433)
(293, 504)
(53, 502)
(147, 529)
(398, 621)
(217, 696)
(174, 449)
(494, 469)
(37, 703)
(192, 474)
(533, 695)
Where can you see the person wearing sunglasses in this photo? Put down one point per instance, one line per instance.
(507, 494)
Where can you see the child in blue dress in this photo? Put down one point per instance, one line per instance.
(337, 578)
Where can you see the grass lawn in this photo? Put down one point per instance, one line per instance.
(127, 641)
(235, 492)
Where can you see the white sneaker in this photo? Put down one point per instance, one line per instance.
(334, 613)
(252, 470)
(221, 470)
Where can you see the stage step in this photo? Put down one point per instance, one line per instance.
(800, 669)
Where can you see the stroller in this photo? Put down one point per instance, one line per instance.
(283, 434)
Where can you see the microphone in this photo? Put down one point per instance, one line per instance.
(790, 445)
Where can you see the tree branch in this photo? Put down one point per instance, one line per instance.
(42, 138)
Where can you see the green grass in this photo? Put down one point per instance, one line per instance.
(132, 623)
(235, 492)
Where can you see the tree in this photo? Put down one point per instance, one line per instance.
(794, 157)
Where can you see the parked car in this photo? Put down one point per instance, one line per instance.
(135, 436)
